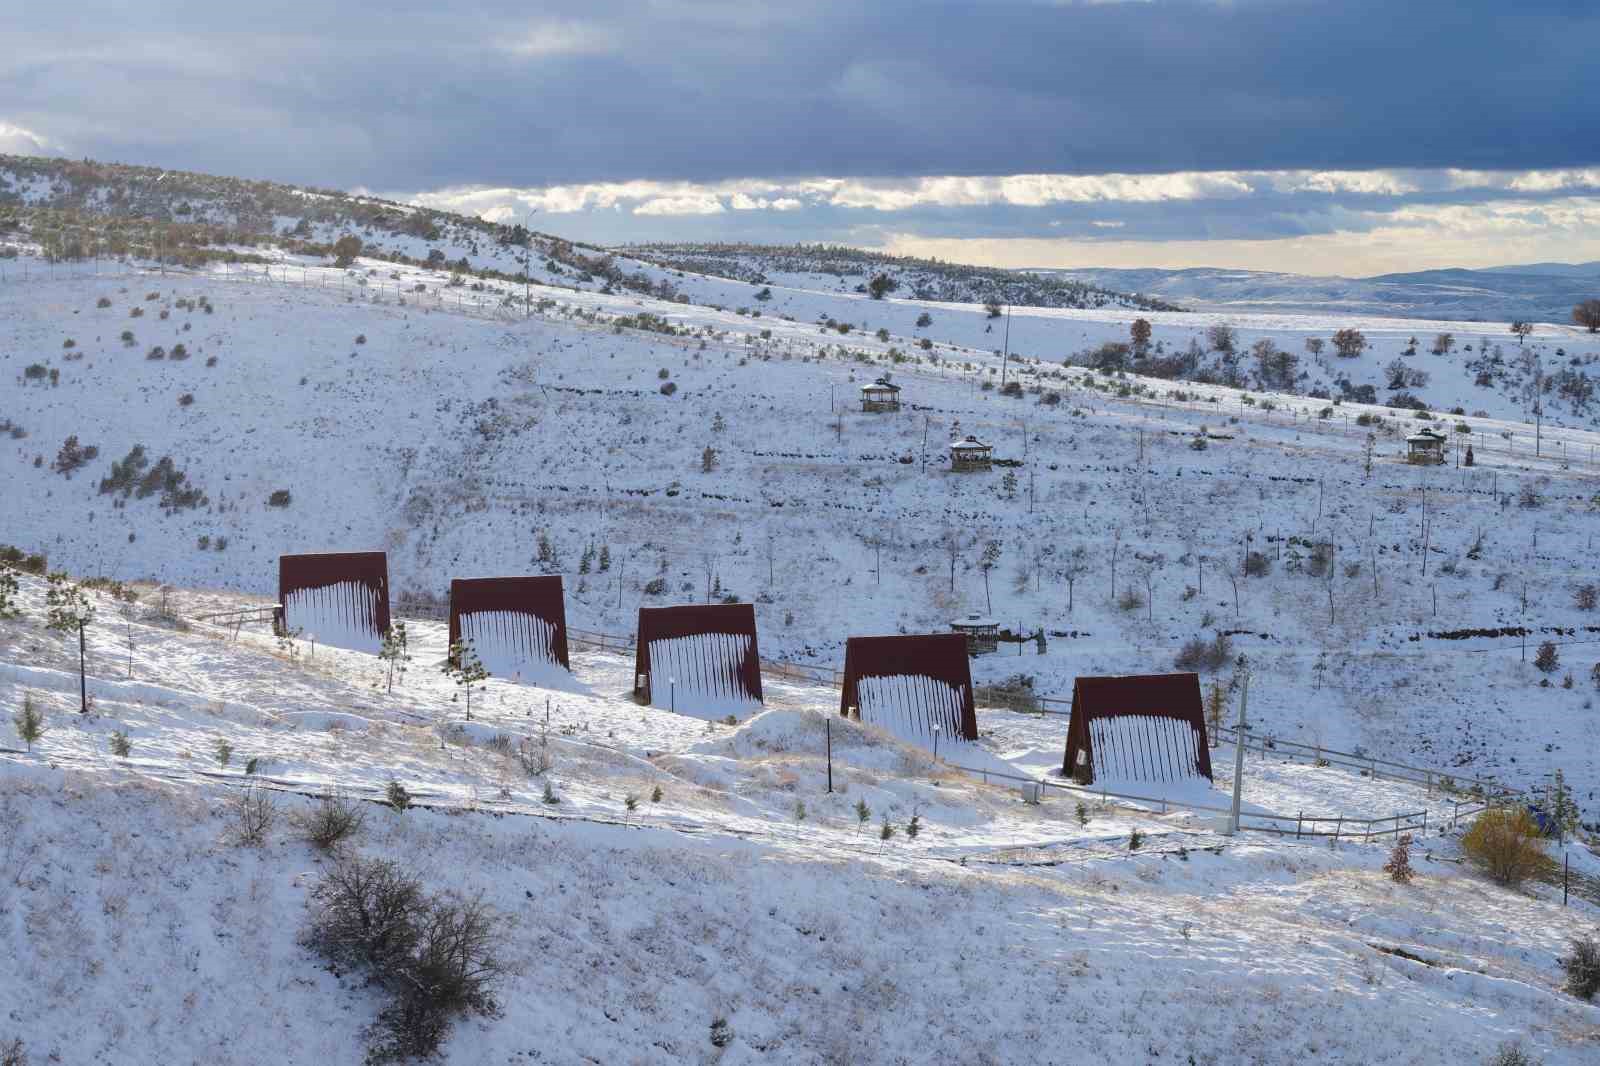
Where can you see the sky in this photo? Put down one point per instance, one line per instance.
(1317, 136)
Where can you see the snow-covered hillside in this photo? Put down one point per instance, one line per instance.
(677, 889)
(464, 439)
(1536, 292)
(837, 269)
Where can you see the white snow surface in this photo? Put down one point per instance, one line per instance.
(340, 614)
(125, 899)
(910, 706)
(515, 645)
(699, 675)
(1142, 749)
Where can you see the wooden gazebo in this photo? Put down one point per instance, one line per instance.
(970, 453)
(880, 395)
(982, 633)
(1425, 447)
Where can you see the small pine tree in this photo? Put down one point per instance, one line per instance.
(863, 813)
(397, 796)
(1216, 707)
(395, 654)
(1564, 810)
(549, 798)
(1548, 658)
(708, 460)
(631, 802)
(251, 764)
(1135, 840)
(224, 752)
(799, 810)
(914, 826)
(464, 667)
(655, 794)
(29, 721)
(605, 558)
(1083, 814)
(1399, 865)
(121, 746)
(885, 831)
(718, 423)
(70, 611)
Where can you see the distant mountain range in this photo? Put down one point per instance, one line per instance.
(1540, 292)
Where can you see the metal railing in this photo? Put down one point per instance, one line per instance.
(1429, 777)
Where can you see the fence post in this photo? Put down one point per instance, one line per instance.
(1337, 825)
(1424, 821)
(1298, 818)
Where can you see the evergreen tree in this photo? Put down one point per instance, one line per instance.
(394, 653)
(465, 668)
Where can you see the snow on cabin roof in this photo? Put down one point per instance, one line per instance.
(1425, 436)
(880, 385)
(969, 444)
(972, 621)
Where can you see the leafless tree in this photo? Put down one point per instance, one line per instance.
(950, 541)
(1151, 568)
(1074, 566)
(1116, 548)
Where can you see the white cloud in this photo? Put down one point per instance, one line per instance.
(19, 140)
(889, 195)
(1413, 237)
(559, 37)
(681, 205)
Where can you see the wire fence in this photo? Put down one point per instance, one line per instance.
(1482, 793)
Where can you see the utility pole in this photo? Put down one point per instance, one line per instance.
(1005, 348)
(1238, 746)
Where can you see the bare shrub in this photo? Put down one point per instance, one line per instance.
(436, 955)
(13, 1053)
(253, 812)
(1505, 843)
(335, 818)
(452, 970)
(1199, 654)
(1511, 1055)
(367, 912)
(1583, 967)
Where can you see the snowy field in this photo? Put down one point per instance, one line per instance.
(465, 437)
(745, 892)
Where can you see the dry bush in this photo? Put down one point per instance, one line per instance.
(335, 818)
(253, 811)
(1399, 866)
(436, 955)
(1583, 967)
(1505, 843)
(367, 912)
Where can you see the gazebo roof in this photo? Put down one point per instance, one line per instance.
(1425, 436)
(970, 444)
(880, 386)
(973, 621)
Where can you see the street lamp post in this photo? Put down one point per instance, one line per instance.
(936, 731)
(672, 694)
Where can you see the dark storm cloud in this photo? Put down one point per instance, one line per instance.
(413, 96)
